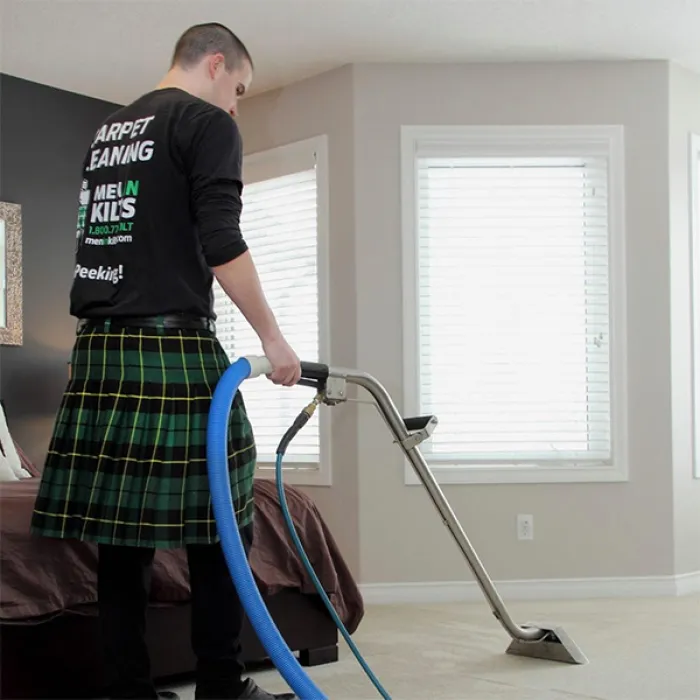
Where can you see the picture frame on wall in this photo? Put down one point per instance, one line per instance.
(10, 274)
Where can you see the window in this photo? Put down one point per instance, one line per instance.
(514, 300)
(285, 222)
(695, 274)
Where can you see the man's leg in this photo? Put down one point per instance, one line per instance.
(123, 584)
(217, 623)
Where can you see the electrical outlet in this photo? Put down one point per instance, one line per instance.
(526, 527)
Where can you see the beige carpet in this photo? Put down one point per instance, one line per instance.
(637, 650)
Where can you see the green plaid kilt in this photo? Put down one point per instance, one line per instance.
(127, 461)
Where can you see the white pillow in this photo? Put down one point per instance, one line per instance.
(8, 447)
(6, 473)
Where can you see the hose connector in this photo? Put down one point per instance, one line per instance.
(299, 422)
(318, 400)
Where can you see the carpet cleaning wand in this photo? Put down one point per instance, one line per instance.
(540, 641)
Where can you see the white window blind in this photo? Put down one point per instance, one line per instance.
(279, 223)
(513, 298)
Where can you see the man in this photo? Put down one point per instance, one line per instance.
(158, 218)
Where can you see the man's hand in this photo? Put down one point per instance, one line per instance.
(240, 281)
(286, 368)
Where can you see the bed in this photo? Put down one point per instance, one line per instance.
(48, 625)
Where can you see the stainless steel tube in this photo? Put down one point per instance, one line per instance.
(394, 420)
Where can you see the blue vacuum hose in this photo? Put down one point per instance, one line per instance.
(231, 543)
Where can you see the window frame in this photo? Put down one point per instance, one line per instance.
(694, 219)
(607, 140)
(274, 162)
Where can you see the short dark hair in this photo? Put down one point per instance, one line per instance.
(203, 40)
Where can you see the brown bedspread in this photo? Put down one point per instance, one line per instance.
(41, 577)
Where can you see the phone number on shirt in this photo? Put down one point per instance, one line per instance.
(110, 229)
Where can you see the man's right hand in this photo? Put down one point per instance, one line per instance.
(286, 367)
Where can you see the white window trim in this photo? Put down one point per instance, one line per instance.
(272, 163)
(694, 218)
(525, 140)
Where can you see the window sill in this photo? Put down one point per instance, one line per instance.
(446, 474)
(296, 474)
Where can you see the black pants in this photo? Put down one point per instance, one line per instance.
(123, 584)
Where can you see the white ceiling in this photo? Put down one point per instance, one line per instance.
(116, 49)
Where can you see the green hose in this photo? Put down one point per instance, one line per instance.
(298, 424)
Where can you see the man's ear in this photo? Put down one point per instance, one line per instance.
(215, 63)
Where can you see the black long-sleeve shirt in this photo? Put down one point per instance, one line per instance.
(160, 206)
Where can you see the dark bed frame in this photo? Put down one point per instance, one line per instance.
(60, 658)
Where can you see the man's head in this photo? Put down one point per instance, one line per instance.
(214, 64)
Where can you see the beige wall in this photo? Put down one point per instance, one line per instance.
(684, 118)
(389, 531)
(581, 530)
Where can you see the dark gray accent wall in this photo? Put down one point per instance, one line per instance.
(44, 134)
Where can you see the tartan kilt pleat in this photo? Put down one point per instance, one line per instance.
(127, 462)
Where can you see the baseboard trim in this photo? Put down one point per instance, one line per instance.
(688, 584)
(545, 589)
